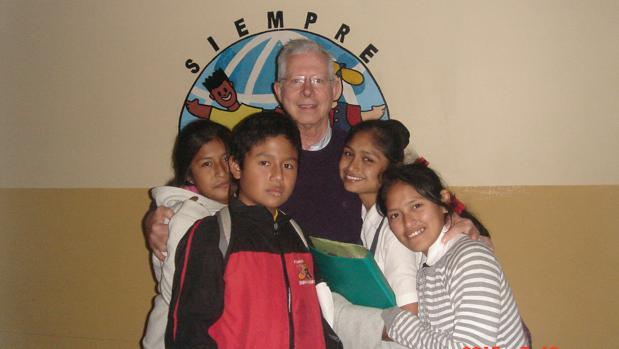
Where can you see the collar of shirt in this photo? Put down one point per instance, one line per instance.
(375, 226)
(255, 213)
(371, 219)
(323, 142)
(438, 249)
(174, 197)
(371, 216)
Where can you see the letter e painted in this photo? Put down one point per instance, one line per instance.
(240, 27)
(368, 52)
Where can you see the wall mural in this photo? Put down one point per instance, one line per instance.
(239, 82)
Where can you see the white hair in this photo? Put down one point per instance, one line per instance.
(299, 46)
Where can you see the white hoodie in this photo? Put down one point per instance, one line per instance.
(188, 207)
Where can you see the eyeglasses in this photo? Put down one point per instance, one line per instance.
(297, 82)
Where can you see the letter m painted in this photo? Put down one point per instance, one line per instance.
(275, 19)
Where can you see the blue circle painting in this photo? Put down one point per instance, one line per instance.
(239, 82)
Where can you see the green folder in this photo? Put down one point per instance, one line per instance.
(351, 271)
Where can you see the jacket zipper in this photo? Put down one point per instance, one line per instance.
(288, 290)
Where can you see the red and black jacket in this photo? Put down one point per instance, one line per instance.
(266, 282)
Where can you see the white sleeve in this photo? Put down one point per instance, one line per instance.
(183, 219)
(400, 268)
(359, 327)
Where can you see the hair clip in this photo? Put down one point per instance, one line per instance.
(421, 161)
(457, 205)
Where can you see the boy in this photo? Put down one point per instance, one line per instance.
(261, 294)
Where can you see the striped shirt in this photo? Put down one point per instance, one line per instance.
(464, 301)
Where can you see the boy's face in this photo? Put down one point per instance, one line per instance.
(269, 173)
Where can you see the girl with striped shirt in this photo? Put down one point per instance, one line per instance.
(464, 297)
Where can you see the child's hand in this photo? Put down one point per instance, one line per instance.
(156, 231)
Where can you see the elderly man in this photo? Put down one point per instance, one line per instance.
(306, 86)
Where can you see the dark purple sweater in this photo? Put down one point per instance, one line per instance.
(319, 201)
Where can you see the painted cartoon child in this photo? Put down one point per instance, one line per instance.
(344, 115)
(222, 91)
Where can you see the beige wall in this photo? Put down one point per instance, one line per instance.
(525, 90)
(75, 272)
(510, 93)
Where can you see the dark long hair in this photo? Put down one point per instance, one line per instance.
(427, 183)
(390, 136)
(188, 143)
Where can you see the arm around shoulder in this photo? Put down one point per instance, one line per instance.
(155, 227)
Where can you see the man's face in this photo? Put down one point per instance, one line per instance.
(224, 94)
(306, 103)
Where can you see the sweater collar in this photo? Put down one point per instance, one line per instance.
(323, 142)
(257, 213)
(438, 249)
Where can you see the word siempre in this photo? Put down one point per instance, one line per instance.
(275, 21)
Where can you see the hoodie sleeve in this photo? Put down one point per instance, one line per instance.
(198, 287)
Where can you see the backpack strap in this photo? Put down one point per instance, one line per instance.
(299, 231)
(225, 226)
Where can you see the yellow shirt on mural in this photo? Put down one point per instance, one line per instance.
(230, 118)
